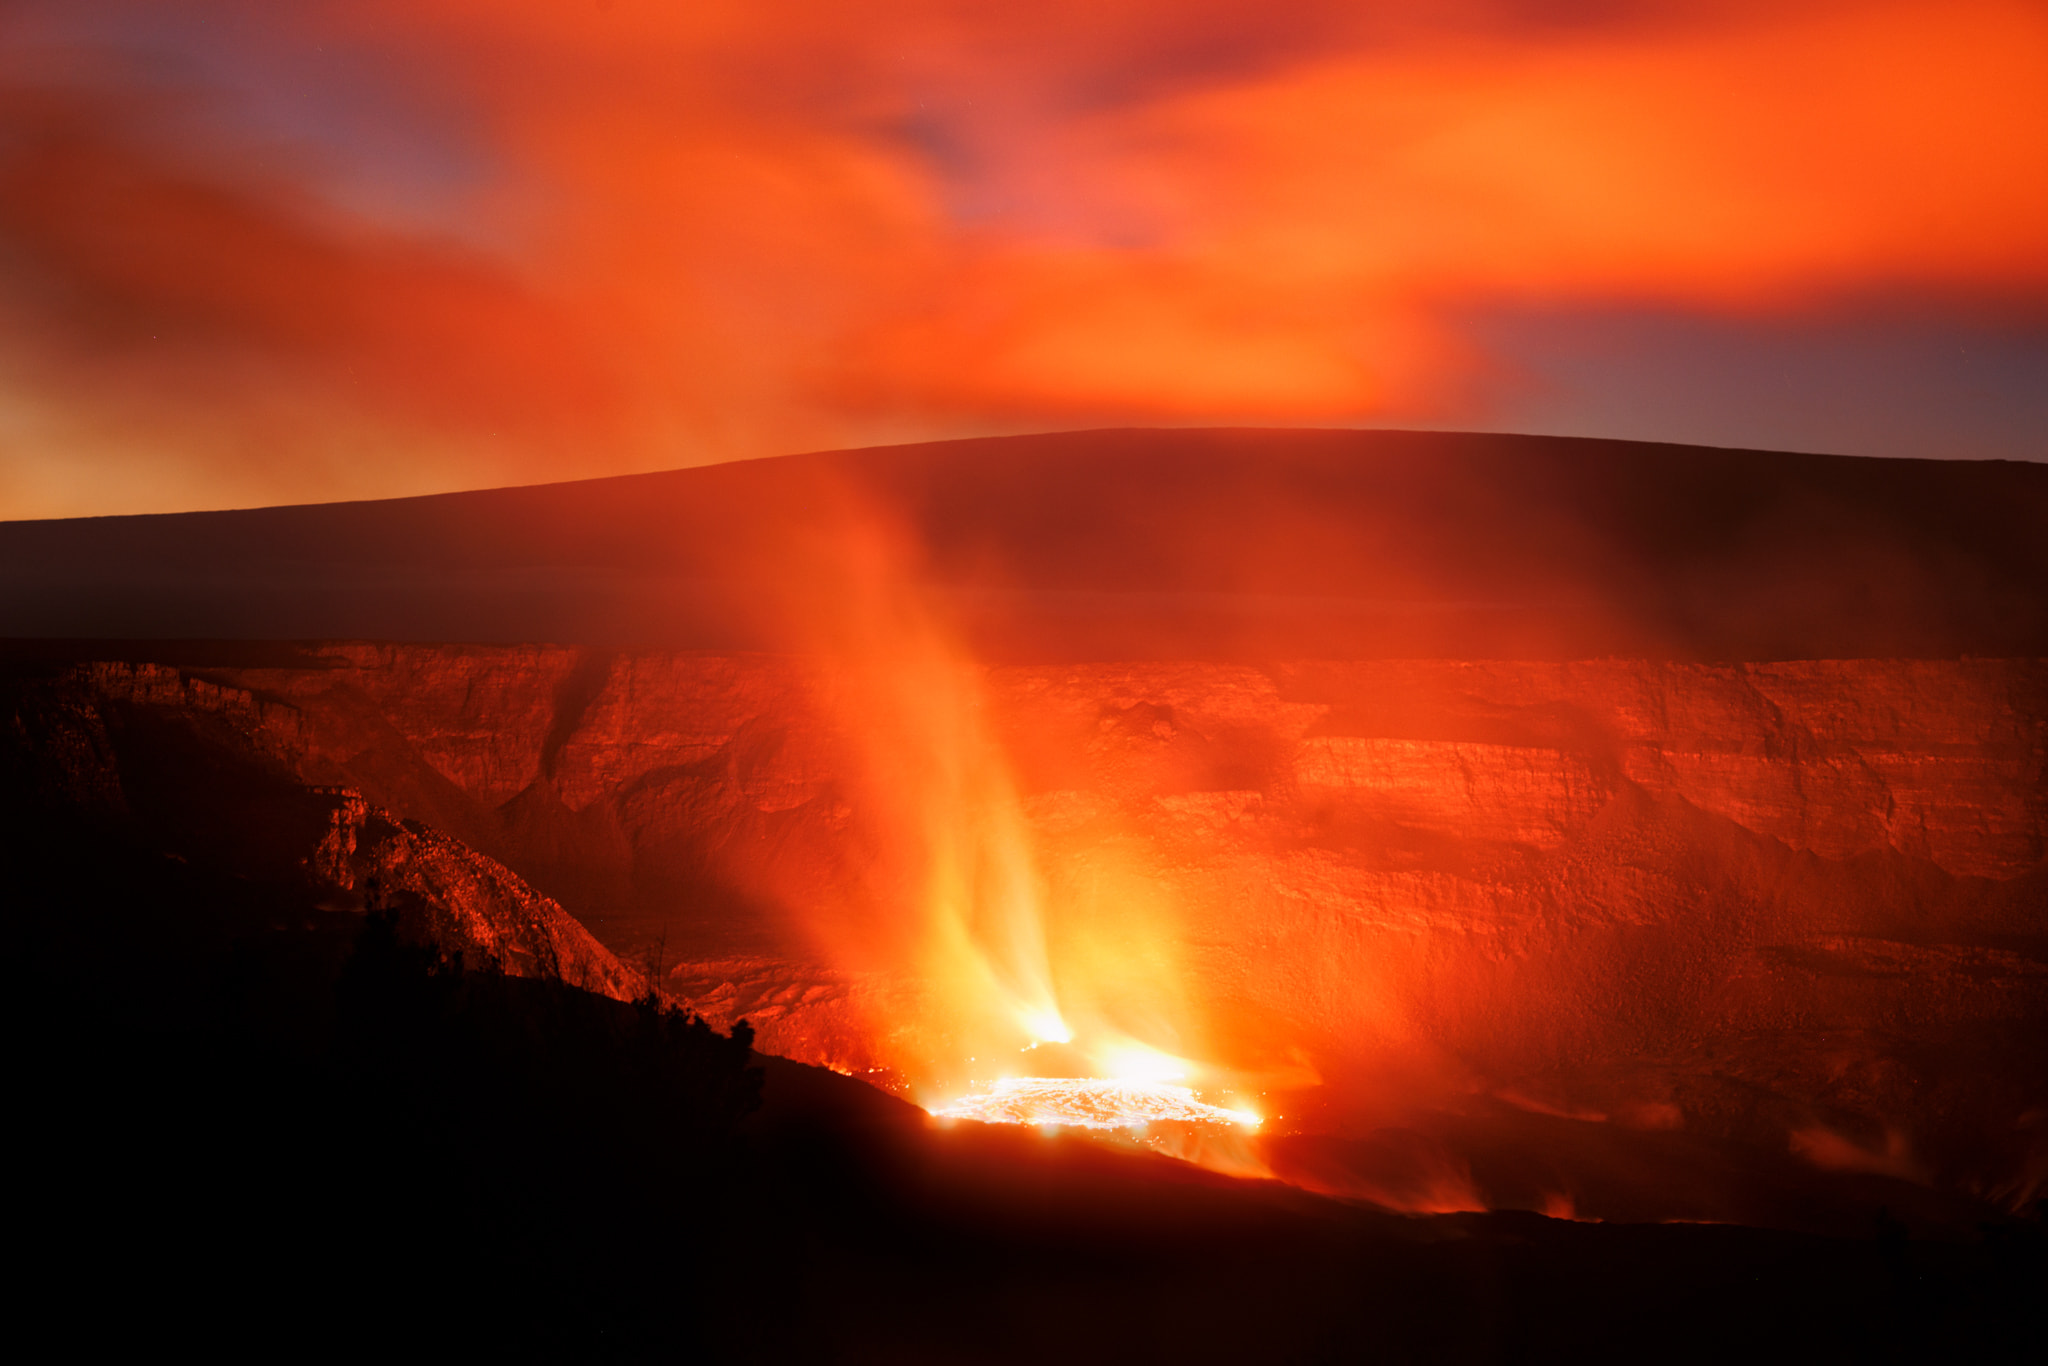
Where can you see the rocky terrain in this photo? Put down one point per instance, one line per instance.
(205, 774)
(1514, 821)
(1797, 905)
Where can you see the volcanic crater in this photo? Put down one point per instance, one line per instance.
(1509, 822)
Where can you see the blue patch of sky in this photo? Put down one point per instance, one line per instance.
(337, 120)
(999, 168)
(1920, 382)
(992, 141)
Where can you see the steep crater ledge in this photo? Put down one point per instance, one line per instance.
(148, 760)
(1802, 905)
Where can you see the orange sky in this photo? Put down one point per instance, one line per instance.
(400, 245)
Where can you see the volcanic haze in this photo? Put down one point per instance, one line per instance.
(1651, 831)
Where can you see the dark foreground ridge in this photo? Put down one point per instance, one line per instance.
(1127, 545)
(259, 1121)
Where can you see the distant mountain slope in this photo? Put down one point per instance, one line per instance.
(1127, 544)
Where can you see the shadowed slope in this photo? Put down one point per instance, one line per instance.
(1129, 544)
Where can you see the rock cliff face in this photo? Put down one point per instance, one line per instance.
(448, 893)
(208, 772)
(1800, 904)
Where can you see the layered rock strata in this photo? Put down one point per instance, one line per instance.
(1767, 900)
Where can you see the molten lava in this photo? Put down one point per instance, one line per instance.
(1015, 945)
(1087, 1103)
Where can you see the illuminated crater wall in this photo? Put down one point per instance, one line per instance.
(1360, 775)
(1762, 900)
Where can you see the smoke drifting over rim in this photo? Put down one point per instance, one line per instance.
(252, 255)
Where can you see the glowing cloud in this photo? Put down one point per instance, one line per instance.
(688, 233)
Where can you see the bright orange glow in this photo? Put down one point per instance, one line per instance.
(715, 231)
(1017, 952)
(1090, 1104)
